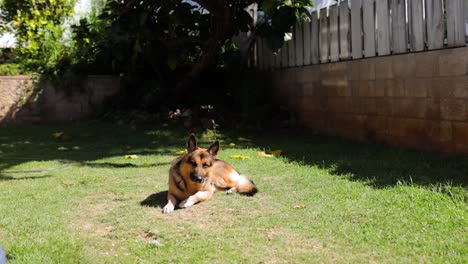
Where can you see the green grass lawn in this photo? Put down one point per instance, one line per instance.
(324, 200)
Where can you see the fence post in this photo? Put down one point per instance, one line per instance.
(399, 34)
(314, 31)
(368, 19)
(383, 29)
(356, 29)
(299, 47)
(333, 29)
(435, 24)
(307, 47)
(416, 25)
(455, 23)
(344, 30)
(324, 48)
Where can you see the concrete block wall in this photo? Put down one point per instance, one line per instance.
(417, 100)
(25, 99)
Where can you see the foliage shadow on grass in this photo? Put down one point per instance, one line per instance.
(378, 165)
(90, 142)
(5, 177)
(121, 165)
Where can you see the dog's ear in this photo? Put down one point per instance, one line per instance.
(191, 143)
(213, 149)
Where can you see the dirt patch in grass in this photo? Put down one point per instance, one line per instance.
(87, 223)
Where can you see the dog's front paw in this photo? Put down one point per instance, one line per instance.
(231, 191)
(185, 203)
(168, 208)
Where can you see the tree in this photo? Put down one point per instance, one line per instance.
(198, 30)
(38, 27)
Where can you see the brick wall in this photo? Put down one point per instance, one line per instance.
(25, 99)
(417, 100)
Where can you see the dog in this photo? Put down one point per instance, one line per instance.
(196, 175)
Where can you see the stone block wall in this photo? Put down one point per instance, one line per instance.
(417, 100)
(25, 99)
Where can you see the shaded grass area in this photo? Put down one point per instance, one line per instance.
(323, 200)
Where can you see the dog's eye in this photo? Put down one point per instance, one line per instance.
(194, 163)
(205, 165)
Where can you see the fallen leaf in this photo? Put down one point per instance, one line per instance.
(131, 156)
(243, 139)
(270, 154)
(232, 144)
(180, 152)
(239, 156)
(61, 136)
(263, 154)
(62, 148)
(299, 206)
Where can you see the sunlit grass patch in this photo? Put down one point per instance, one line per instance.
(321, 200)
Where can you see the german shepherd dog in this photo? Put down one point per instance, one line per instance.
(196, 175)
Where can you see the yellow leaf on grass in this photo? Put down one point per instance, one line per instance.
(299, 206)
(239, 156)
(180, 152)
(131, 156)
(270, 154)
(232, 144)
(263, 154)
(57, 134)
(61, 135)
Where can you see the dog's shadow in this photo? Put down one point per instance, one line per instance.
(157, 200)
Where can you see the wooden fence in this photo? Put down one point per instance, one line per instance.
(354, 29)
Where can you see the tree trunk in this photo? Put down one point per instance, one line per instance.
(223, 23)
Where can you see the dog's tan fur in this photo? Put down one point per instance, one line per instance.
(196, 175)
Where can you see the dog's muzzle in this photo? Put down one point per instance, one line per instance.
(196, 178)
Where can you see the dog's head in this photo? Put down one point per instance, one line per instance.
(198, 161)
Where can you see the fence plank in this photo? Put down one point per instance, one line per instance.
(266, 55)
(369, 27)
(284, 55)
(278, 59)
(466, 22)
(415, 20)
(324, 47)
(435, 24)
(455, 23)
(356, 29)
(271, 56)
(333, 29)
(307, 46)
(291, 53)
(299, 47)
(383, 27)
(260, 61)
(344, 30)
(314, 31)
(399, 35)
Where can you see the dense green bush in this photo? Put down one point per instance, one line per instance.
(12, 69)
(39, 27)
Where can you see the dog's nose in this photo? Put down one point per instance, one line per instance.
(196, 177)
